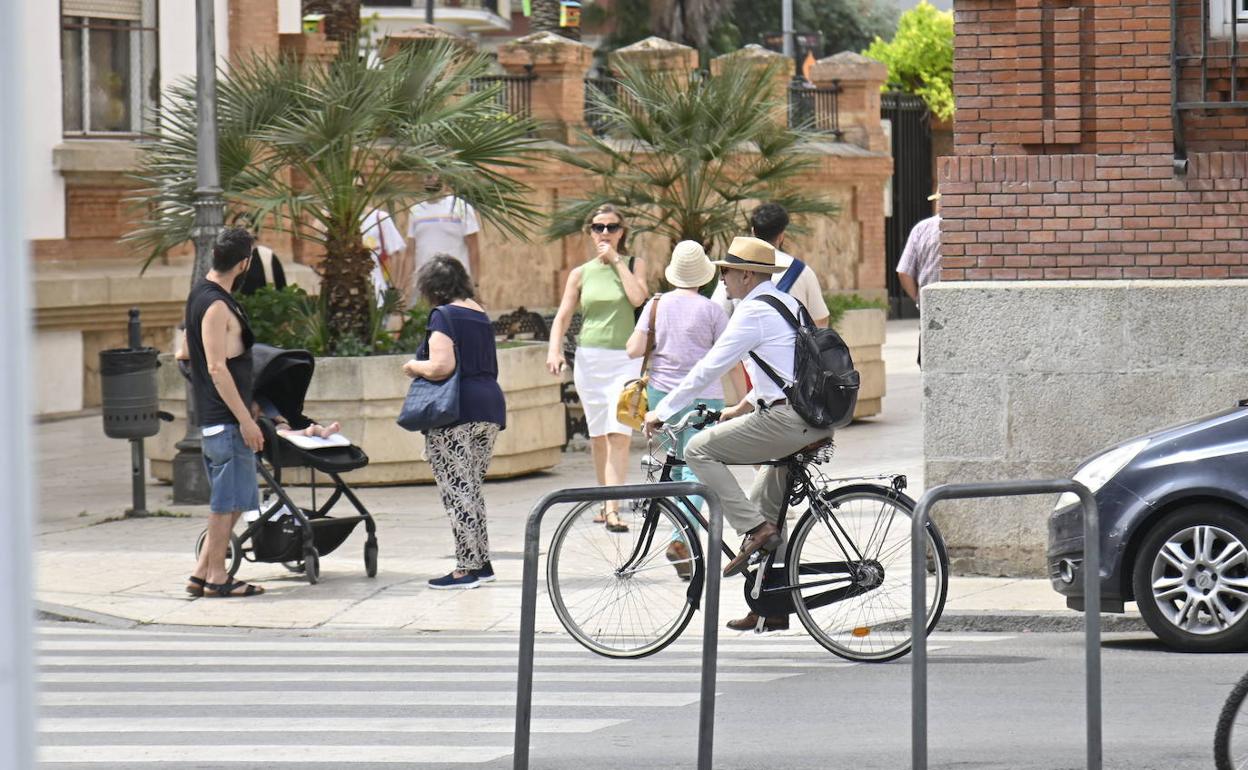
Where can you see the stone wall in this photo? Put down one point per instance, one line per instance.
(1026, 379)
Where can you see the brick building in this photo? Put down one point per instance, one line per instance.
(1095, 226)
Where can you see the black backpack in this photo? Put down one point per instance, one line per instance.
(825, 390)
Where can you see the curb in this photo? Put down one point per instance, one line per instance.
(1035, 622)
(61, 613)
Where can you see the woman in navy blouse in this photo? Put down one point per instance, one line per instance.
(460, 335)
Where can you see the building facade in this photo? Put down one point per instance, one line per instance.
(1095, 242)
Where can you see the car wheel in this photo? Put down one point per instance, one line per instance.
(1191, 579)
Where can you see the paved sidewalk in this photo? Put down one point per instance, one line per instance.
(134, 571)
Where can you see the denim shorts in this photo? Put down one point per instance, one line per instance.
(231, 472)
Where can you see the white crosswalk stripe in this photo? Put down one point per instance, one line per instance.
(117, 698)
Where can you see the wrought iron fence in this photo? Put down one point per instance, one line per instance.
(515, 92)
(607, 85)
(1205, 54)
(815, 109)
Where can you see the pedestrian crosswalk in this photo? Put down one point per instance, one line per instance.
(157, 698)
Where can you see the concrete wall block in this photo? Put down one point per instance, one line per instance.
(1067, 417)
(1185, 327)
(861, 328)
(1036, 326)
(60, 381)
(971, 421)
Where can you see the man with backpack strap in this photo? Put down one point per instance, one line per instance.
(783, 362)
(769, 223)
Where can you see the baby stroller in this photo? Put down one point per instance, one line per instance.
(284, 532)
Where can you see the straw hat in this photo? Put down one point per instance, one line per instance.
(689, 268)
(753, 254)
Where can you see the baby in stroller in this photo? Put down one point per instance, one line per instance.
(263, 407)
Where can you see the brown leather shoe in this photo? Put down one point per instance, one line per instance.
(678, 555)
(750, 622)
(764, 537)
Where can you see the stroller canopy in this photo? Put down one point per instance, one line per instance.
(282, 377)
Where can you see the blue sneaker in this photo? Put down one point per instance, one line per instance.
(485, 574)
(449, 581)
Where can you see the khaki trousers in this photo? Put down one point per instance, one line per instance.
(764, 434)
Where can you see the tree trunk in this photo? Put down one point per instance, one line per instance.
(342, 19)
(545, 18)
(348, 288)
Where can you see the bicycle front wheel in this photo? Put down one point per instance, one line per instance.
(1230, 740)
(622, 594)
(850, 557)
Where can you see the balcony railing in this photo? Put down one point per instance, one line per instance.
(815, 109)
(484, 5)
(515, 92)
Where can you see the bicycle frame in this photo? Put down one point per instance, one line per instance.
(850, 580)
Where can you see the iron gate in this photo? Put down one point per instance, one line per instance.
(912, 183)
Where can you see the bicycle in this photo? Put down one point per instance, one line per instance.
(1226, 755)
(622, 595)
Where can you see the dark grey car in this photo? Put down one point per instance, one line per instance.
(1174, 532)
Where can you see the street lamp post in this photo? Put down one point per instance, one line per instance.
(190, 479)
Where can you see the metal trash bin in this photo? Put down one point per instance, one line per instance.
(128, 392)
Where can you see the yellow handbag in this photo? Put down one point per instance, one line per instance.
(631, 409)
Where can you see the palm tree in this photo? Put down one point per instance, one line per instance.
(687, 21)
(683, 159)
(323, 146)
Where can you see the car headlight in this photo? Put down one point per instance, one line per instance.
(1100, 469)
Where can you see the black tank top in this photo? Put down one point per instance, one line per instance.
(210, 408)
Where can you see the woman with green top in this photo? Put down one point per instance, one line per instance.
(607, 289)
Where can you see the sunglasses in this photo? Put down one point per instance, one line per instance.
(614, 227)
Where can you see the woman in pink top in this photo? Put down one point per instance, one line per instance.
(686, 325)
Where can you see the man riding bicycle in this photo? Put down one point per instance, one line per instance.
(768, 427)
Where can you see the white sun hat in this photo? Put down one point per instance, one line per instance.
(689, 267)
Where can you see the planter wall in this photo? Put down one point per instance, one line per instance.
(863, 331)
(365, 393)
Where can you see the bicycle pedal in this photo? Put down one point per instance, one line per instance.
(759, 575)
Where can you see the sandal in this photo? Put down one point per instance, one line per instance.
(601, 516)
(195, 586)
(614, 524)
(230, 589)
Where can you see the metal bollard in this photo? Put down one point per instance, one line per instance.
(1092, 601)
(710, 609)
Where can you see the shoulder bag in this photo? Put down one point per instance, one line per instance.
(633, 404)
(429, 404)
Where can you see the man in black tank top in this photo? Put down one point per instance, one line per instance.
(218, 343)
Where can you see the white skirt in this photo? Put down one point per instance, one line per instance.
(599, 375)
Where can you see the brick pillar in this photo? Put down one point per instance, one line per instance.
(253, 28)
(309, 49)
(757, 56)
(558, 93)
(858, 104)
(418, 34)
(655, 53)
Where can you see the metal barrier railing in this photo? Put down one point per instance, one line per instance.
(1091, 607)
(710, 607)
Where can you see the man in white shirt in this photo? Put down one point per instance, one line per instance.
(445, 225)
(768, 223)
(762, 426)
(382, 238)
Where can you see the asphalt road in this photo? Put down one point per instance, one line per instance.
(177, 698)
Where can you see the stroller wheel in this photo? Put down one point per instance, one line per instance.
(312, 567)
(293, 566)
(233, 551)
(370, 559)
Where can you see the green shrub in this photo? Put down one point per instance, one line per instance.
(839, 303)
(920, 57)
(292, 319)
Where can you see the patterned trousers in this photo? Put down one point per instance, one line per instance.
(459, 457)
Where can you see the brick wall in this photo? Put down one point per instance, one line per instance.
(1064, 143)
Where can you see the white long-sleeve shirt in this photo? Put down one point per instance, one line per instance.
(754, 327)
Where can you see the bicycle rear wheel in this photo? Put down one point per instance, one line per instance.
(851, 556)
(1230, 740)
(619, 594)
